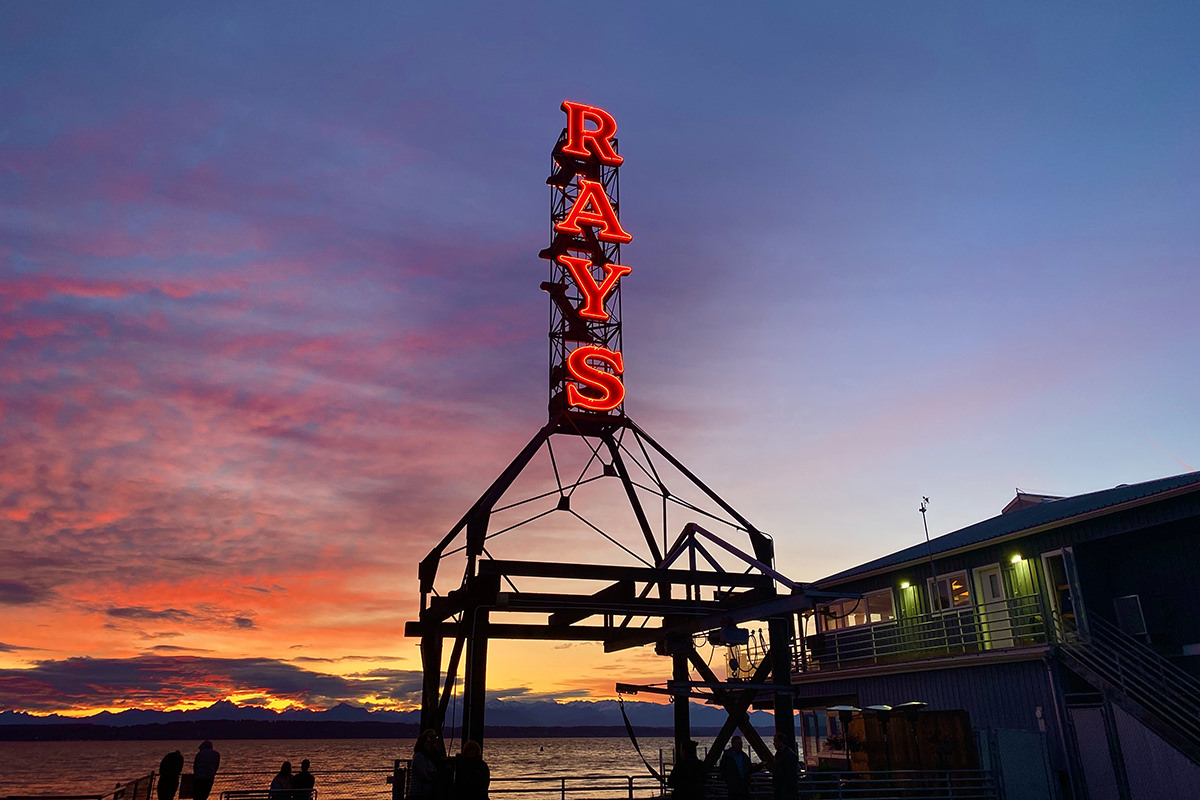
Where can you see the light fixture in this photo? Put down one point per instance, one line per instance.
(905, 584)
(1017, 559)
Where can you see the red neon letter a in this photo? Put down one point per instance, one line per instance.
(602, 216)
(593, 293)
(583, 142)
(612, 391)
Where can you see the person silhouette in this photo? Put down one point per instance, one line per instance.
(169, 770)
(281, 784)
(204, 769)
(688, 776)
(787, 764)
(471, 774)
(427, 781)
(736, 770)
(303, 781)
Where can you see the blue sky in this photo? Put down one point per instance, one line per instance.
(271, 318)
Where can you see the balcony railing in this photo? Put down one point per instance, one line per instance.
(1002, 625)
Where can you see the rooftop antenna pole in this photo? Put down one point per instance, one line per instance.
(937, 594)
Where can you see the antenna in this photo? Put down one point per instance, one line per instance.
(937, 595)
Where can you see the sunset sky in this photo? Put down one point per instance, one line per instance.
(270, 317)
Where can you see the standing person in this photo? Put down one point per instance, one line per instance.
(688, 776)
(427, 781)
(281, 784)
(471, 774)
(169, 770)
(787, 765)
(303, 781)
(736, 770)
(204, 767)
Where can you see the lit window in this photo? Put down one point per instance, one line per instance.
(871, 608)
(951, 592)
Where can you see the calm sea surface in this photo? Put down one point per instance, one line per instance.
(345, 768)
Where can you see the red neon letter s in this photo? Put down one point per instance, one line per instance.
(593, 293)
(612, 391)
(602, 216)
(583, 142)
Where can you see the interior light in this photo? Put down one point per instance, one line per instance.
(1016, 559)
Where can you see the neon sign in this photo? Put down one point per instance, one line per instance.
(591, 195)
(586, 365)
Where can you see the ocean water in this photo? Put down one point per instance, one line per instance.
(345, 768)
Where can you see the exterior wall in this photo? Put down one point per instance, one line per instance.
(1160, 568)
(1006, 695)
(1154, 769)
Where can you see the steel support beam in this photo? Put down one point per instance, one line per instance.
(475, 679)
(431, 666)
(606, 572)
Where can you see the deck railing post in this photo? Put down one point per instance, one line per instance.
(564, 788)
(630, 779)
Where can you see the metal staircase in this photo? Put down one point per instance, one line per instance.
(1144, 684)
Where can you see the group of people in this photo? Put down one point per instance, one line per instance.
(436, 777)
(690, 776)
(204, 772)
(286, 785)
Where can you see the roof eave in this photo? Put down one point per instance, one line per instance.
(1082, 517)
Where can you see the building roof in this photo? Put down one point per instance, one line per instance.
(1017, 521)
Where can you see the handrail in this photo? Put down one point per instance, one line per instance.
(1150, 680)
(1000, 625)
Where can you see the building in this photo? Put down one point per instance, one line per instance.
(1066, 627)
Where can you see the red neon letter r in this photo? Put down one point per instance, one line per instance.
(597, 142)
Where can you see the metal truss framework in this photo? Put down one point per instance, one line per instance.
(699, 582)
(665, 591)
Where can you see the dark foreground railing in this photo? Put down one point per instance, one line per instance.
(900, 785)
(894, 785)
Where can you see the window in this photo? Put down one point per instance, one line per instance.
(871, 608)
(951, 592)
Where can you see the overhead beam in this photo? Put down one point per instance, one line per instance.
(617, 592)
(760, 610)
(512, 630)
(576, 608)
(607, 572)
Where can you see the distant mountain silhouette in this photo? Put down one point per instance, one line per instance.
(511, 713)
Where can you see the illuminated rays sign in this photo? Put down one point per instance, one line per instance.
(585, 265)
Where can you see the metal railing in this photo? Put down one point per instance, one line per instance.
(906, 784)
(374, 785)
(342, 784)
(1141, 674)
(578, 787)
(879, 785)
(1000, 625)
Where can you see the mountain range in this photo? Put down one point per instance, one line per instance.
(500, 713)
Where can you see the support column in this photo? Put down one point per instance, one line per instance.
(779, 630)
(431, 680)
(681, 673)
(475, 677)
